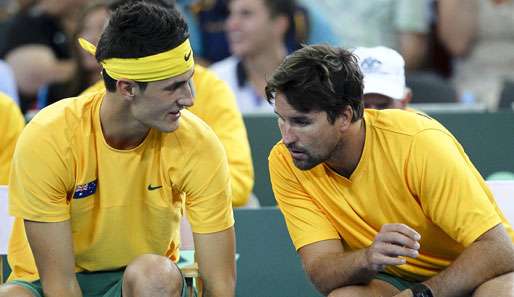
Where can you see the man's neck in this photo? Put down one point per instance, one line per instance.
(120, 129)
(260, 66)
(348, 153)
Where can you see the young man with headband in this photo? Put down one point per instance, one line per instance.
(379, 202)
(99, 182)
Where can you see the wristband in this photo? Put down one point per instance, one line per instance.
(421, 290)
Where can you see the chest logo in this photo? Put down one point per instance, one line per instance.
(151, 188)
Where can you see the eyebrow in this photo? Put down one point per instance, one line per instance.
(176, 84)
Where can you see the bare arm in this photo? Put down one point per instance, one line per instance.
(330, 267)
(457, 24)
(215, 254)
(51, 244)
(413, 47)
(491, 255)
(48, 70)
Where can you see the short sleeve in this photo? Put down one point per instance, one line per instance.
(216, 105)
(451, 191)
(305, 221)
(40, 177)
(206, 182)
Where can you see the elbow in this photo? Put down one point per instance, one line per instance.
(316, 277)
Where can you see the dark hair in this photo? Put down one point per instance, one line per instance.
(138, 29)
(319, 78)
(280, 7)
(115, 4)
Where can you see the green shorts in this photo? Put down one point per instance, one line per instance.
(395, 281)
(92, 284)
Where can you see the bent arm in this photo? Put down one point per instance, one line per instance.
(49, 69)
(329, 267)
(215, 254)
(52, 247)
(457, 24)
(491, 255)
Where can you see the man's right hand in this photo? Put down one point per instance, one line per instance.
(391, 245)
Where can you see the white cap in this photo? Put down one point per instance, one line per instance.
(383, 69)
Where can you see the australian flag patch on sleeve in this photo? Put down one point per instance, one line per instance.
(82, 191)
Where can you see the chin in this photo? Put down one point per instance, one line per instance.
(305, 165)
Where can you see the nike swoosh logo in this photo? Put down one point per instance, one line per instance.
(187, 56)
(151, 188)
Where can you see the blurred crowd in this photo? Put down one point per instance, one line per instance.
(454, 50)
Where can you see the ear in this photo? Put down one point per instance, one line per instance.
(345, 118)
(407, 98)
(126, 88)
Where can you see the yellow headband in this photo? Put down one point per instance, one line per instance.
(160, 66)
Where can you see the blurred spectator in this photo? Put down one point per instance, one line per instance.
(37, 46)
(256, 32)
(207, 19)
(12, 122)
(7, 82)
(480, 35)
(398, 24)
(90, 24)
(384, 78)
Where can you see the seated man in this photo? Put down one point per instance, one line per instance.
(379, 202)
(99, 182)
(384, 78)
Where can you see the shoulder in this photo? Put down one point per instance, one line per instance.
(192, 132)
(401, 122)
(10, 112)
(60, 123)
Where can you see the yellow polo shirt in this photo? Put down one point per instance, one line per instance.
(121, 203)
(412, 171)
(216, 105)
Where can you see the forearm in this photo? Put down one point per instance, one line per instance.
(483, 260)
(332, 271)
(457, 24)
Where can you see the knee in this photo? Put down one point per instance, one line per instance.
(8, 290)
(153, 271)
(502, 285)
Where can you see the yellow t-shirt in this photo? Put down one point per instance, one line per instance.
(216, 105)
(412, 171)
(121, 203)
(11, 124)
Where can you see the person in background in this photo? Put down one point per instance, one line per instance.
(399, 24)
(40, 35)
(7, 82)
(379, 202)
(480, 36)
(384, 78)
(90, 24)
(11, 123)
(99, 182)
(256, 33)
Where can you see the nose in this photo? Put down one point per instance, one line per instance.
(288, 135)
(187, 99)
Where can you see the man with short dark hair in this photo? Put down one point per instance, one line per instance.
(380, 202)
(99, 182)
